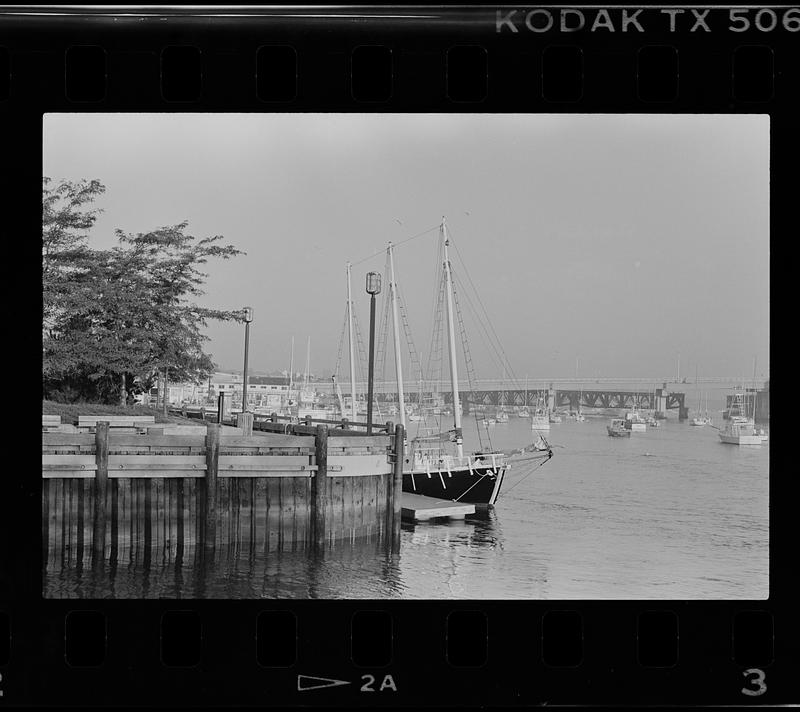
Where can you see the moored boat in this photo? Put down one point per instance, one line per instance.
(635, 422)
(437, 465)
(739, 428)
(616, 428)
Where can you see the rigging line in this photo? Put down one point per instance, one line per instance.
(487, 339)
(341, 342)
(480, 478)
(532, 470)
(395, 244)
(480, 302)
(471, 376)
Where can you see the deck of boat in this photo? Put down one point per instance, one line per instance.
(420, 508)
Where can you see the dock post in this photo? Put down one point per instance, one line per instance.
(210, 481)
(397, 485)
(245, 422)
(220, 407)
(389, 514)
(319, 488)
(100, 488)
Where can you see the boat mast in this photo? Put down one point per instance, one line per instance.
(308, 365)
(452, 344)
(350, 338)
(291, 377)
(697, 386)
(398, 364)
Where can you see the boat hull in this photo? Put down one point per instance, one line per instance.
(618, 433)
(740, 439)
(540, 423)
(638, 427)
(478, 486)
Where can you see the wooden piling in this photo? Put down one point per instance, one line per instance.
(210, 481)
(245, 422)
(397, 485)
(100, 487)
(220, 407)
(319, 488)
(388, 516)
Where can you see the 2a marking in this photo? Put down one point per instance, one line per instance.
(369, 680)
(758, 681)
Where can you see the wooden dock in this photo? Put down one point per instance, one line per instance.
(215, 489)
(420, 509)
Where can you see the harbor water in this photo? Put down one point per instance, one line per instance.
(671, 513)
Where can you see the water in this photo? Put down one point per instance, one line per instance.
(671, 513)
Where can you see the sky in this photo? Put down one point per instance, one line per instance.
(602, 245)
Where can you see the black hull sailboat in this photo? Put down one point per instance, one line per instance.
(435, 464)
(477, 485)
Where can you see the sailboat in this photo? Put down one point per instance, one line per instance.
(699, 420)
(540, 419)
(431, 469)
(524, 412)
(502, 416)
(578, 416)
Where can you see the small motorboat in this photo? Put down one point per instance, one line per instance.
(617, 429)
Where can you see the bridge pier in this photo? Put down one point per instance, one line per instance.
(660, 405)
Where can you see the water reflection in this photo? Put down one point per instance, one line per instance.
(360, 568)
(601, 521)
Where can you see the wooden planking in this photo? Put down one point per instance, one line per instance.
(55, 472)
(252, 462)
(301, 488)
(287, 511)
(76, 439)
(115, 440)
(352, 441)
(420, 508)
(266, 440)
(188, 462)
(358, 465)
(112, 419)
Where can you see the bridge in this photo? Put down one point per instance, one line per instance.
(493, 394)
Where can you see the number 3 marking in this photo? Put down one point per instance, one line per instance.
(758, 680)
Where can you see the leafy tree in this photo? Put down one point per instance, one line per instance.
(67, 217)
(115, 315)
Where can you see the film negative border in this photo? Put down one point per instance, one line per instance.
(386, 653)
(499, 60)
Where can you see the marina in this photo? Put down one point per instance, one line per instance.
(403, 420)
(671, 513)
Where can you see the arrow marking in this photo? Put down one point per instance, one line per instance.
(309, 682)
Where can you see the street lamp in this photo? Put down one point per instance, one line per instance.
(248, 317)
(373, 288)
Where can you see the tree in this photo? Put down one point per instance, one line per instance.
(114, 315)
(66, 220)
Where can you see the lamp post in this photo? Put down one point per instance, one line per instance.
(373, 288)
(248, 317)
